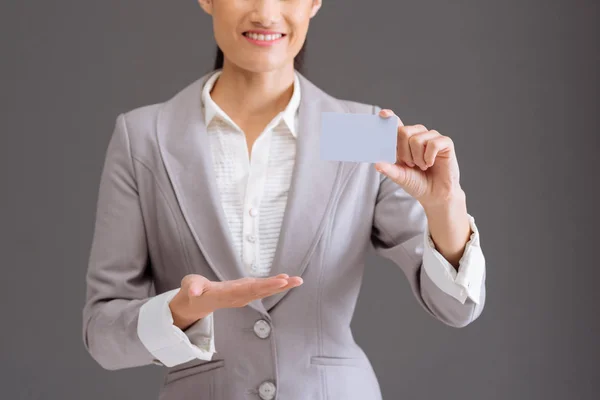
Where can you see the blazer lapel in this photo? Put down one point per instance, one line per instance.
(185, 149)
(313, 190)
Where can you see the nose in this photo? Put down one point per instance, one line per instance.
(266, 13)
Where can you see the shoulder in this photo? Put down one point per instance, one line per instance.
(358, 107)
(352, 106)
(141, 118)
(138, 125)
(142, 121)
(330, 102)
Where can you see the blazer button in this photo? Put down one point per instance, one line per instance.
(253, 212)
(262, 329)
(266, 390)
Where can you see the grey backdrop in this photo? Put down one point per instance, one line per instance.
(513, 82)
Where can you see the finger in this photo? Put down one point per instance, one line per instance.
(240, 292)
(261, 291)
(402, 149)
(387, 113)
(244, 288)
(296, 281)
(418, 142)
(292, 283)
(404, 153)
(435, 146)
(194, 285)
(256, 286)
(260, 288)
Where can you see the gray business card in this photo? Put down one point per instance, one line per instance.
(358, 137)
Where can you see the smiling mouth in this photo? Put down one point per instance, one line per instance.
(264, 37)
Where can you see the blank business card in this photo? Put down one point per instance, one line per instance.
(358, 137)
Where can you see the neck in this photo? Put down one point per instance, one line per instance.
(246, 95)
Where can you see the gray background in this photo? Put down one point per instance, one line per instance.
(513, 82)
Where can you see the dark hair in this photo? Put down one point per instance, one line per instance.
(298, 60)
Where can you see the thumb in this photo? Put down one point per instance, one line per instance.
(195, 285)
(195, 289)
(412, 180)
(400, 174)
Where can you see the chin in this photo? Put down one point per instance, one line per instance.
(260, 65)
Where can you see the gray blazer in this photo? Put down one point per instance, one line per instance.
(159, 218)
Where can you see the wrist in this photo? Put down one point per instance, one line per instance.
(449, 227)
(181, 318)
(454, 200)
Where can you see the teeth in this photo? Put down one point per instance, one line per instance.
(264, 38)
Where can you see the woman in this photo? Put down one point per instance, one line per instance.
(226, 250)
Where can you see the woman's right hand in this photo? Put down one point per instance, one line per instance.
(199, 297)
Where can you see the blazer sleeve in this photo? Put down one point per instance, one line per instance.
(125, 324)
(118, 279)
(400, 234)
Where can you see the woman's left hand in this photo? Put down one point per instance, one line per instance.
(426, 166)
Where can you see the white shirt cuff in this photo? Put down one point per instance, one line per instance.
(166, 342)
(467, 282)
